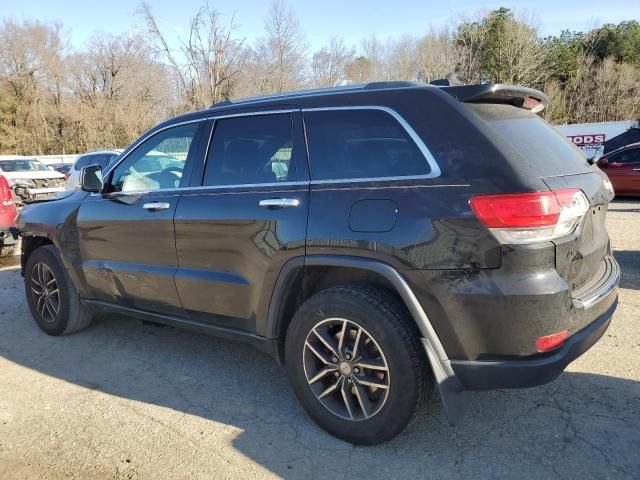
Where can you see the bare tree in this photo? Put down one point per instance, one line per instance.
(435, 56)
(329, 64)
(469, 46)
(213, 57)
(119, 91)
(281, 54)
(30, 59)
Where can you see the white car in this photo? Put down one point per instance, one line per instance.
(30, 179)
(99, 157)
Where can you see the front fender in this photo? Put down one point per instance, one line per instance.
(54, 221)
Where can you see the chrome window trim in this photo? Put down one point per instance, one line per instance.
(208, 187)
(428, 156)
(254, 113)
(435, 169)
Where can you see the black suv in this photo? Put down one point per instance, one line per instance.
(376, 239)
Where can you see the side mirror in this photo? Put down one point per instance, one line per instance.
(603, 162)
(91, 179)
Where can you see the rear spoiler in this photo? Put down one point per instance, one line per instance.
(521, 97)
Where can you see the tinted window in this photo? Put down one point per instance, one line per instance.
(360, 144)
(250, 150)
(628, 156)
(157, 163)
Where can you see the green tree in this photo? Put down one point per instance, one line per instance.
(499, 48)
(563, 54)
(621, 41)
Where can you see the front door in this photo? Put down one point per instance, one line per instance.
(127, 236)
(244, 220)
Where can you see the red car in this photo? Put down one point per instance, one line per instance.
(622, 166)
(8, 214)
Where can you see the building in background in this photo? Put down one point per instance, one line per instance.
(600, 138)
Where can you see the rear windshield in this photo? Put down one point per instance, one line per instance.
(544, 148)
(102, 159)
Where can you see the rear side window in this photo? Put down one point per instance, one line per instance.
(360, 144)
(540, 145)
(251, 150)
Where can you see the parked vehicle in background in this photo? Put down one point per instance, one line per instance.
(622, 166)
(30, 179)
(376, 239)
(8, 214)
(98, 157)
(63, 168)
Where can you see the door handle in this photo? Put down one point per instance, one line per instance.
(636, 169)
(152, 207)
(279, 202)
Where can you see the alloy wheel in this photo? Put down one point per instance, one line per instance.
(346, 369)
(44, 289)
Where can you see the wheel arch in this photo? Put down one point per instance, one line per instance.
(29, 243)
(286, 298)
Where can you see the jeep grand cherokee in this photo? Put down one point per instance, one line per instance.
(377, 240)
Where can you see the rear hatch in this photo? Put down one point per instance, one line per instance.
(540, 151)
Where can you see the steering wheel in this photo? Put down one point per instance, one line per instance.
(170, 175)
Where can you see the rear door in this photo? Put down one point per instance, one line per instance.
(623, 170)
(127, 236)
(243, 219)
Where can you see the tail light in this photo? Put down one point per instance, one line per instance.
(66, 176)
(520, 218)
(6, 197)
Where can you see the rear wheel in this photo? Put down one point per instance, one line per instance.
(356, 364)
(53, 300)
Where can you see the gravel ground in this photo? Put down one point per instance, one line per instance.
(125, 399)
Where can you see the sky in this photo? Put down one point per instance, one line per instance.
(320, 20)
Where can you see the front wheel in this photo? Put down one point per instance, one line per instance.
(355, 361)
(53, 300)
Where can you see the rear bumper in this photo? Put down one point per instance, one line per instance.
(521, 373)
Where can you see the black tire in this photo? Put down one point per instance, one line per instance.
(71, 315)
(380, 315)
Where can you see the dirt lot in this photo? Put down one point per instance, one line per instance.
(125, 399)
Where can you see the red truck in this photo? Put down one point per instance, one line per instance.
(8, 214)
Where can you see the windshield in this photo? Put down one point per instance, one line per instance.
(22, 166)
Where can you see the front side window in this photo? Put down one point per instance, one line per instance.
(251, 150)
(628, 156)
(157, 163)
(360, 143)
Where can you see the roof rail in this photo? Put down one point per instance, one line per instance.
(320, 91)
